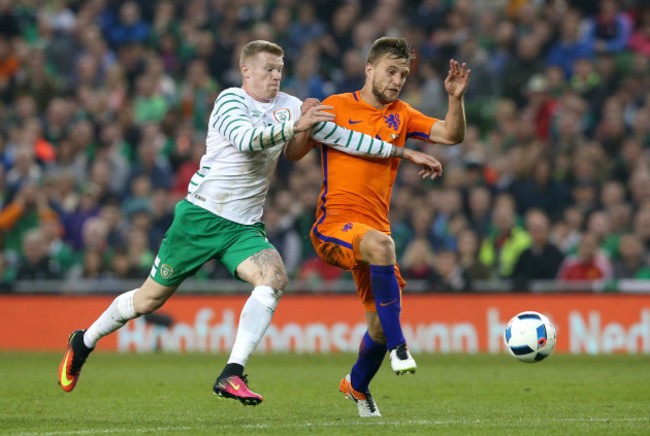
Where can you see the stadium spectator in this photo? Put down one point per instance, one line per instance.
(609, 30)
(92, 267)
(639, 41)
(9, 21)
(542, 259)
(9, 67)
(468, 246)
(539, 190)
(130, 27)
(479, 209)
(506, 241)
(35, 263)
(632, 262)
(418, 261)
(449, 275)
(588, 264)
(518, 70)
(22, 214)
(570, 46)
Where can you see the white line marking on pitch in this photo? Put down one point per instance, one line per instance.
(380, 421)
(111, 430)
(307, 425)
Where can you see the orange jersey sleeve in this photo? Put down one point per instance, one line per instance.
(357, 188)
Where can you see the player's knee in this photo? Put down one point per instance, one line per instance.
(147, 304)
(278, 278)
(267, 295)
(382, 250)
(376, 333)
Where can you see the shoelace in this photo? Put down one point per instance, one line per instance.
(78, 360)
(401, 352)
(371, 402)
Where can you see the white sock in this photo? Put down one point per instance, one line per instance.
(118, 313)
(255, 318)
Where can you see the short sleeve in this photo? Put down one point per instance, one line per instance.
(419, 125)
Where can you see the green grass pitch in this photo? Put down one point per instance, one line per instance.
(160, 394)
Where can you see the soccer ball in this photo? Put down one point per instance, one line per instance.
(530, 337)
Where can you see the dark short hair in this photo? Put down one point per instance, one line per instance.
(259, 46)
(395, 48)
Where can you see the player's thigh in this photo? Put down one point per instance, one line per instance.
(264, 268)
(337, 243)
(194, 237)
(250, 257)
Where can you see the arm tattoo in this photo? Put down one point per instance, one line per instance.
(397, 152)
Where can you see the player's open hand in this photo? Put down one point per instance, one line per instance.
(314, 114)
(308, 104)
(430, 166)
(457, 80)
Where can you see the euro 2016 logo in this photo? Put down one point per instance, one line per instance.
(393, 121)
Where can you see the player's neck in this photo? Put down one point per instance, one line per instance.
(368, 97)
(254, 96)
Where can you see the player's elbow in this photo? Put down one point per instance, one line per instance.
(453, 138)
(292, 156)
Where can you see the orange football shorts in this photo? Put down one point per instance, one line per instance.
(337, 243)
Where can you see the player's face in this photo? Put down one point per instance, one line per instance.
(262, 74)
(388, 76)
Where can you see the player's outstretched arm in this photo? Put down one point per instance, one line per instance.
(231, 120)
(430, 166)
(452, 130)
(335, 136)
(350, 141)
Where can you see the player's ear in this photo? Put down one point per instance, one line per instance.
(369, 69)
(244, 68)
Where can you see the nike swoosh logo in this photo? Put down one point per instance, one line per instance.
(235, 387)
(387, 304)
(64, 380)
(354, 122)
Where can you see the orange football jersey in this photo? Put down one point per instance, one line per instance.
(358, 188)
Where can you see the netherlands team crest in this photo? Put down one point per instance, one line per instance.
(282, 115)
(166, 271)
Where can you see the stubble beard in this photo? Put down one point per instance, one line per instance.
(381, 98)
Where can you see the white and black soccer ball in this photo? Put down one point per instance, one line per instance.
(530, 337)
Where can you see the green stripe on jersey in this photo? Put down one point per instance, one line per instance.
(250, 144)
(349, 139)
(227, 94)
(360, 142)
(272, 138)
(332, 132)
(372, 141)
(320, 128)
(284, 125)
(231, 101)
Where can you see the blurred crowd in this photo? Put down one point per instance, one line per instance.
(104, 105)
